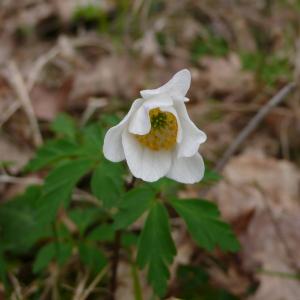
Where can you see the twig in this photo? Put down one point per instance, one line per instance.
(18, 83)
(80, 287)
(39, 64)
(76, 196)
(17, 294)
(11, 179)
(254, 122)
(9, 112)
(93, 284)
(93, 105)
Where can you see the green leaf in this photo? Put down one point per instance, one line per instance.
(60, 252)
(51, 152)
(92, 257)
(92, 141)
(19, 225)
(133, 205)
(44, 256)
(166, 187)
(64, 125)
(204, 224)
(102, 233)
(107, 183)
(156, 248)
(59, 185)
(84, 217)
(64, 252)
(211, 176)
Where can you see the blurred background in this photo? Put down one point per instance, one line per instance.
(89, 58)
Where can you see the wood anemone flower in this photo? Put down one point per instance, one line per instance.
(157, 138)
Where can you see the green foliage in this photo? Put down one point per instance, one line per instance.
(156, 248)
(41, 221)
(102, 233)
(2, 267)
(90, 16)
(88, 13)
(194, 285)
(63, 252)
(133, 205)
(204, 224)
(59, 185)
(211, 176)
(83, 217)
(64, 126)
(50, 153)
(19, 225)
(44, 256)
(268, 68)
(92, 257)
(107, 183)
(212, 45)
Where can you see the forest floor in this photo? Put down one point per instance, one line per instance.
(58, 56)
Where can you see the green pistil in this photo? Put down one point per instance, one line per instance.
(159, 120)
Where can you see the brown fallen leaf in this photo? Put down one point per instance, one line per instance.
(266, 191)
(225, 75)
(48, 102)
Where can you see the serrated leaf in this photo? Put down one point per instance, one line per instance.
(92, 257)
(107, 183)
(19, 225)
(59, 185)
(51, 152)
(64, 125)
(156, 248)
(204, 224)
(44, 256)
(133, 205)
(102, 233)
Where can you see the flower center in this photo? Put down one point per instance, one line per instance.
(163, 133)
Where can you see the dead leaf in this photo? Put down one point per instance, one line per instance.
(225, 75)
(268, 190)
(48, 102)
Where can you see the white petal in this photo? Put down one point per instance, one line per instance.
(187, 169)
(173, 111)
(140, 121)
(177, 86)
(192, 137)
(112, 147)
(144, 163)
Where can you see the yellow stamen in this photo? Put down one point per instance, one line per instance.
(163, 133)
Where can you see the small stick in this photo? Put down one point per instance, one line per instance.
(18, 180)
(39, 65)
(94, 283)
(20, 87)
(9, 112)
(254, 122)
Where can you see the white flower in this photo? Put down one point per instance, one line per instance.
(157, 137)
